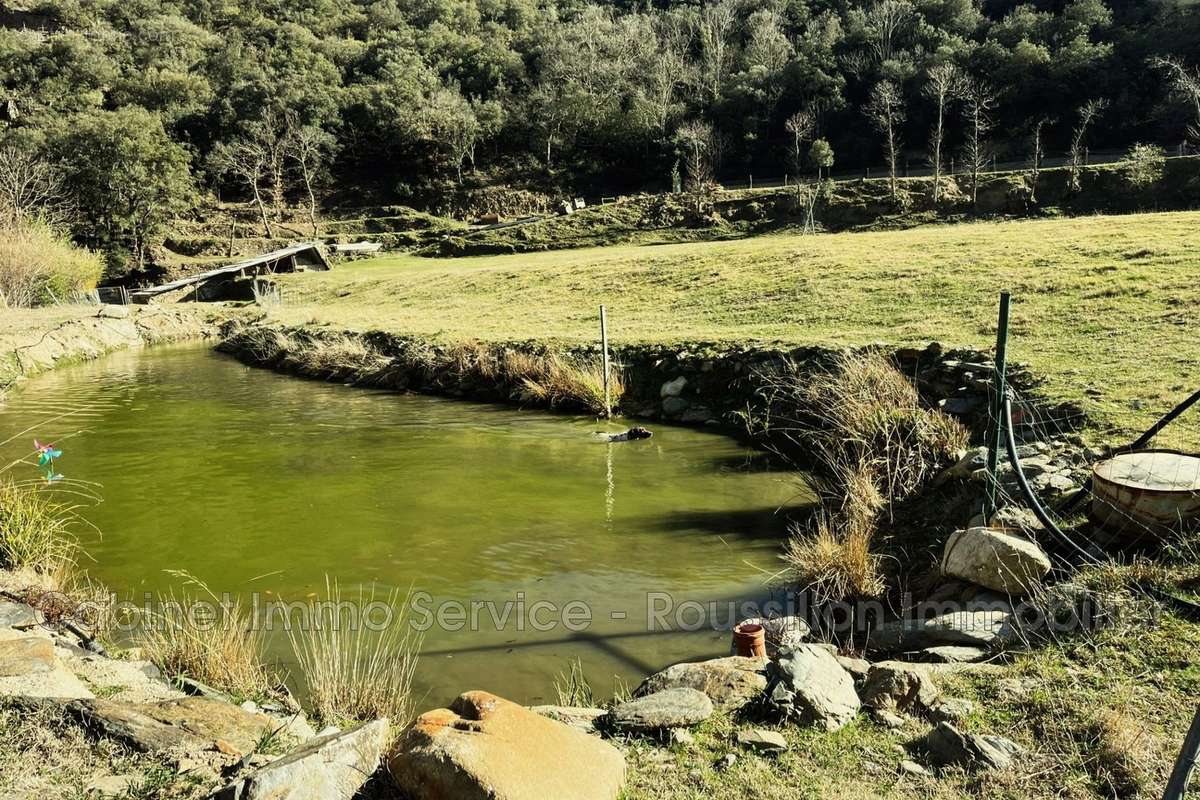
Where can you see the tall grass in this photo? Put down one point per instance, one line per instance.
(36, 531)
(350, 668)
(874, 444)
(563, 381)
(38, 265)
(212, 639)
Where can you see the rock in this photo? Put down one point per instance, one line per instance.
(780, 632)
(1016, 518)
(889, 719)
(966, 465)
(227, 748)
(899, 686)
(947, 745)
(1054, 483)
(193, 723)
(17, 615)
(486, 748)
(725, 762)
(983, 629)
(682, 737)
(113, 312)
(762, 741)
(951, 709)
(810, 684)
(857, 667)
(673, 406)
(28, 655)
(996, 559)
(579, 718)
(110, 785)
(330, 767)
(673, 388)
(913, 768)
(729, 682)
(952, 654)
(669, 708)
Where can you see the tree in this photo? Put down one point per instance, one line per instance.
(944, 84)
(269, 134)
(1037, 152)
(30, 186)
(452, 126)
(979, 101)
(126, 175)
(1078, 153)
(802, 126)
(715, 27)
(309, 147)
(820, 155)
(1185, 82)
(247, 160)
(886, 112)
(1144, 166)
(885, 21)
(696, 138)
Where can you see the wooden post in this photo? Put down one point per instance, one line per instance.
(998, 423)
(604, 348)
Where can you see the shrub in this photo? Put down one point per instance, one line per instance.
(1144, 165)
(39, 265)
(350, 672)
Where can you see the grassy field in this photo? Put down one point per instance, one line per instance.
(1104, 307)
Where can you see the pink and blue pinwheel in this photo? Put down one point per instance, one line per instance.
(45, 459)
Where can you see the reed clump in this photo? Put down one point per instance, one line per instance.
(356, 657)
(874, 444)
(36, 531)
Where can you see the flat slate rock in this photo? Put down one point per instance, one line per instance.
(28, 655)
(670, 708)
(332, 767)
(952, 654)
(947, 745)
(191, 723)
(17, 615)
(762, 741)
(578, 717)
(983, 629)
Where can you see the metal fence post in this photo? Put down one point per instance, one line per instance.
(1181, 774)
(997, 417)
(604, 347)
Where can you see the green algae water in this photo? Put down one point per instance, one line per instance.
(266, 486)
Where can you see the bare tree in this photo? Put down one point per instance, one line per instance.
(715, 27)
(1185, 82)
(979, 101)
(308, 147)
(944, 85)
(885, 21)
(30, 186)
(1037, 152)
(1078, 153)
(247, 160)
(886, 112)
(802, 126)
(270, 136)
(696, 138)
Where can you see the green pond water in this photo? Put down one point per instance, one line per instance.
(265, 486)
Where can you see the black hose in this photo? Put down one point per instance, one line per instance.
(1184, 608)
(1074, 500)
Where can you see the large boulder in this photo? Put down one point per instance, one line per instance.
(983, 629)
(808, 683)
(669, 708)
(332, 767)
(997, 559)
(947, 745)
(190, 723)
(899, 686)
(729, 682)
(486, 748)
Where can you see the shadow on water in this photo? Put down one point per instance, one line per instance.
(744, 524)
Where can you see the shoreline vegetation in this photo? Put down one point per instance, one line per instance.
(1077, 707)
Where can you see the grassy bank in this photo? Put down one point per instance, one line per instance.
(1102, 304)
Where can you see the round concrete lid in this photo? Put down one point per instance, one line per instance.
(1153, 470)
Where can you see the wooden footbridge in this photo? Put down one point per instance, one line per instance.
(304, 257)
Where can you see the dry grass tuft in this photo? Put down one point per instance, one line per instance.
(863, 423)
(560, 381)
(214, 640)
(352, 667)
(573, 688)
(1119, 751)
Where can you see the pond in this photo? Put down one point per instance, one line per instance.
(266, 486)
